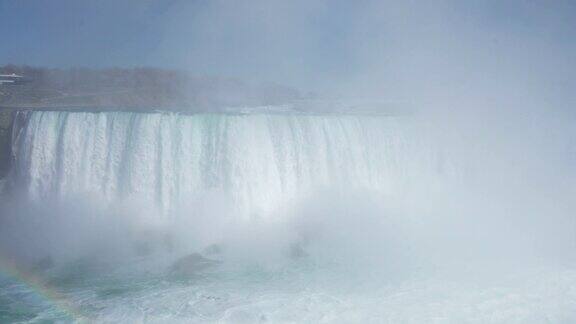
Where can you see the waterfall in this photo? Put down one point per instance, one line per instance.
(261, 161)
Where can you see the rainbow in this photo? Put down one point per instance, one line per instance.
(11, 270)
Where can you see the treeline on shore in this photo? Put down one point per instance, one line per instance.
(136, 88)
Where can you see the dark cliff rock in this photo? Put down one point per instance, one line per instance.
(6, 117)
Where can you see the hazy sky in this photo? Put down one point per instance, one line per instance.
(325, 44)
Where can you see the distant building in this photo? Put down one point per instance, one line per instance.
(12, 79)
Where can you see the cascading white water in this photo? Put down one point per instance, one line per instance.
(462, 219)
(261, 161)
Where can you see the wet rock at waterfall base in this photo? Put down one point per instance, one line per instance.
(297, 251)
(43, 264)
(192, 264)
(143, 249)
(213, 249)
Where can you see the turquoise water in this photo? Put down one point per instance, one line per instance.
(301, 294)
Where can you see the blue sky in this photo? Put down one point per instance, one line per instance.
(155, 32)
(316, 44)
